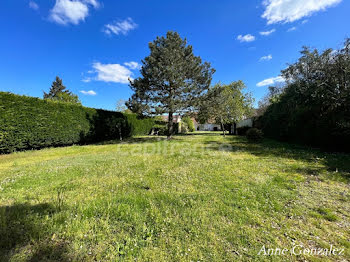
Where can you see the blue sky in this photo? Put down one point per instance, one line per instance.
(95, 45)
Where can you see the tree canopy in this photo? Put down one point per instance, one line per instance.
(59, 92)
(313, 107)
(226, 104)
(172, 79)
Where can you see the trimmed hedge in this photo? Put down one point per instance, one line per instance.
(139, 126)
(32, 123)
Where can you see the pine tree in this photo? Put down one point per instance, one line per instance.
(59, 92)
(57, 88)
(173, 79)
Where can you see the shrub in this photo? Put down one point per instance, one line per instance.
(254, 135)
(188, 121)
(31, 123)
(183, 127)
(241, 131)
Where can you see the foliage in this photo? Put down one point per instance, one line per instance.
(121, 106)
(139, 126)
(314, 106)
(254, 134)
(28, 122)
(226, 104)
(189, 123)
(241, 131)
(270, 98)
(183, 127)
(172, 79)
(58, 92)
(189, 199)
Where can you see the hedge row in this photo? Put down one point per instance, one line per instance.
(31, 123)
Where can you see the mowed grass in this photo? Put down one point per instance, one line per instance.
(198, 197)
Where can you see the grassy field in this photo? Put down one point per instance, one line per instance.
(199, 197)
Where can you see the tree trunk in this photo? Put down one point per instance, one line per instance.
(235, 128)
(170, 125)
(223, 129)
(120, 134)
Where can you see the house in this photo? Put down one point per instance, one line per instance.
(209, 126)
(176, 118)
(248, 122)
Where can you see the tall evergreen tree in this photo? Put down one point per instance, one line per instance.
(173, 79)
(60, 93)
(57, 88)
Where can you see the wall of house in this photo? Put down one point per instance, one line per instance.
(208, 127)
(246, 122)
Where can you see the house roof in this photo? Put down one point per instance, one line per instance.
(176, 118)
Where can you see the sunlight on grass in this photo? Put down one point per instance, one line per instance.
(199, 197)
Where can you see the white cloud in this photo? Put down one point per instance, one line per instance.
(266, 33)
(271, 81)
(115, 73)
(33, 5)
(292, 29)
(88, 93)
(132, 65)
(71, 12)
(246, 38)
(94, 3)
(291, 10)
(266, 58)
(121, 27)
(305, 21)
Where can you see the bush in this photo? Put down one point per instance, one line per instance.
(32, 123)
(183, 127)
(241, 131)
(254, 135)
(188, 121)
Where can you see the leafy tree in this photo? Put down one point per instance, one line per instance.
(188, 121)
(226, 104)
(67, 97)
(172, 79)
(121, 107)
(314, 106)
(59, 92)
(272, 97)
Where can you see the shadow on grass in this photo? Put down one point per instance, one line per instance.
(334, 162)
(21, 229)
(133, 140)
(338, 163)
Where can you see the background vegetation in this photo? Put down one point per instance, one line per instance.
(28, 122)
(314, 107)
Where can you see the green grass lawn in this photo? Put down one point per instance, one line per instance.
(198, 197)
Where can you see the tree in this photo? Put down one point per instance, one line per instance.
(226, 104)
(172, 79)
(272, 97)
(188, 121)
(121, 107)
(59, 92)
(313, 107)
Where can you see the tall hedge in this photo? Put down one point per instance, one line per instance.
(313, 108)
(139, 126)
(30, 123)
